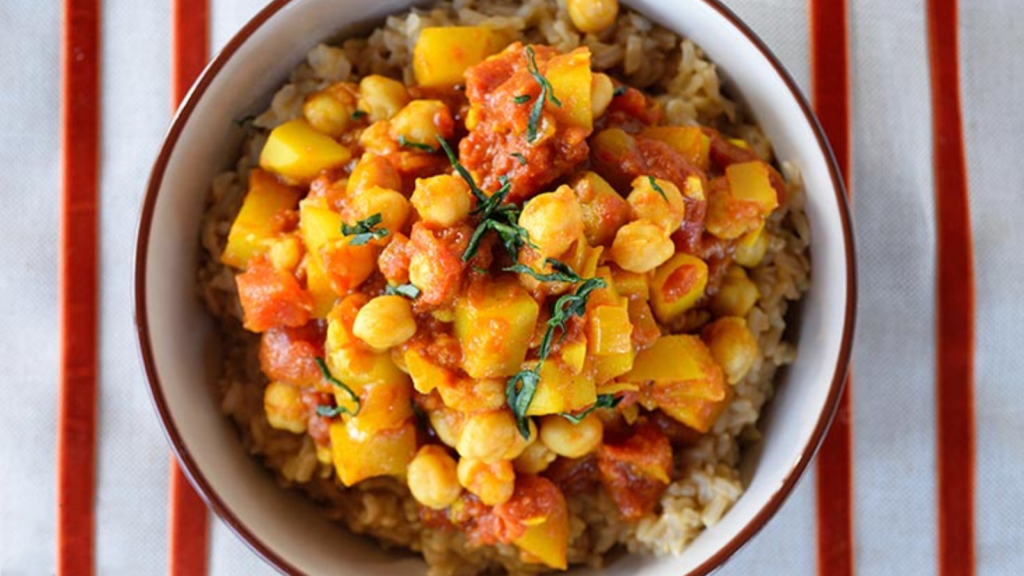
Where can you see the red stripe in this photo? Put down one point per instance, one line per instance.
(189, 531)
(76, 423)
(954, 301)
(830, 89)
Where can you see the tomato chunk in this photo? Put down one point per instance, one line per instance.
(271, 297)
(636, 472)
(289, 354)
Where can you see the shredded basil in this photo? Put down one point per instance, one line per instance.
(359, 115)
(520, 157)
(339, 409)
(522, 99)
(363, 231)
(619, 91)
(603, 401)
(657, 188)
(547, 92)
(403, 141)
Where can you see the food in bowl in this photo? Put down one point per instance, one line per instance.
(506, 284)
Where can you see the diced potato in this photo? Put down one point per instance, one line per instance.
(601, 93)
(358, 456)
(574, 355)
(442, 54)
(609, 330)
(383, 406)
(254, 225)
(283, 406)
(426, 375)
(381, 97)
(645, 327)
(611, 150)
(561, 391)
(318, 225)
(751, 182)
(320, 287)
(631, 284)
(285, 252)
(689, 141)
(546, 539)
(677, 285)
(571, 78)
(604, 211)
(297, 151)
(612, 366)
(732, 345)
(494, 322)
(737, 294)
(674, 373)
(751, 247)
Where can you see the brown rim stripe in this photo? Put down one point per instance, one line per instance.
(830, 93)
(954, 343)
(189, 517)
(76, 421)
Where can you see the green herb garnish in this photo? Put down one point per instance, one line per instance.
(410, 291)
(561, 272)
(339, 409)
(403, 141)
(619, 91)
(522, 387)
(480, 270)
(520, 157)
(330, 411)
(359, 115)
(603, 401)
(654, 184)
(363, 231)
(494, 213)
(547, 92)
(522, 99)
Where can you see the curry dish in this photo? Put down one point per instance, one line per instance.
(500, 286)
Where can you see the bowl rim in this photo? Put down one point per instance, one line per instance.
(205, 488)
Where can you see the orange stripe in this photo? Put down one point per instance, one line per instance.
(954, 345)
(76, 423)
(189, 531)
(831, 96)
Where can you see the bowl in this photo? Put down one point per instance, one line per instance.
(178, 341)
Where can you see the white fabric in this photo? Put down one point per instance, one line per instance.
(893, 401)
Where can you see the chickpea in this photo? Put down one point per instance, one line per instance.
(433, 477)
(391, 205)
(751, 248)
(285, 253)
(381, 97)
(284, 408)
(571, 440)
(447, 424)
(535, 459)
(492, 483)
(384, 322)
(554, 221)
(421, 122)
(648, 203)
(601, 93)
(521, 444)
(732, 345)
(737, 294)
(443, 200)
(329, 111)
(641, 246)
(373, 170)
(487, 436)
(592, 16)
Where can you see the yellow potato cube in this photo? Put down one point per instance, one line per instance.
(609, 330)
(571, 78)
(297, 151)
(689, 141)
(559, 390)
(442, 54)
(254, 226)
(750, 182)
(494, 322)
(679, 375)
(358, 455)
(383, 406)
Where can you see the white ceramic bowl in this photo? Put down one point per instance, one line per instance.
(179, 345)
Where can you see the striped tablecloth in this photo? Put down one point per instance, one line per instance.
(923, 472)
